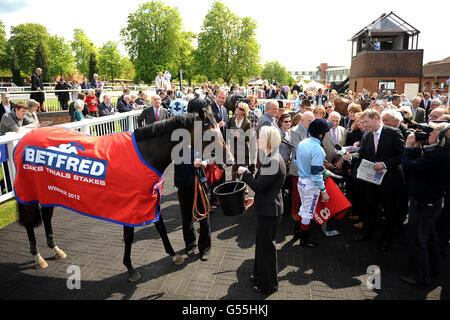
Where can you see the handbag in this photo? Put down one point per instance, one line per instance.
(213, 174)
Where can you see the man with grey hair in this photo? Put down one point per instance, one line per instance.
(434, 104)
(153, 113)
(268, 118)
(106, 108)
(418, 114)
(336, 135)
(125, 105)
(38, 86)
(394, 119)
(436, 113)
(298, 135)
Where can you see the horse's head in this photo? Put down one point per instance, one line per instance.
(210, 129)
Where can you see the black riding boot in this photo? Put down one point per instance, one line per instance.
(304, 240)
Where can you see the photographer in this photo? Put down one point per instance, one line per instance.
(428, 172)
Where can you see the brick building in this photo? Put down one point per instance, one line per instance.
(396, 65)
(435, 73)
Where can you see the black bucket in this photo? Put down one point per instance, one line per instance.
(231, 197)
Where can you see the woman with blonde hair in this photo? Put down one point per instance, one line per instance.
(268, 204)
(33, 107)
(319, 112)
(239, 124)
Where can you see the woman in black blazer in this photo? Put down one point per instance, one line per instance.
(268, 203)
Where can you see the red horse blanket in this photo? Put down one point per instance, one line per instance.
(101, 177)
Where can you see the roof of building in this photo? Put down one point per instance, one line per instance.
(437, 68)
(388, 24)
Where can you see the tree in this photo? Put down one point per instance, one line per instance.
(82, 48)
(275, 70)
(60, 56)
(41, 61)
(128, 71)
(93, 65)
(227, 47)
(4, 58)
(110, 62)
(186, 56)
(24, 40)
(16, 78)
(152, 38)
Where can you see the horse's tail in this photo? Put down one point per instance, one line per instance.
(29, 215)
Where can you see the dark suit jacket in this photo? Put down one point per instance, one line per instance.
(268, 198)
(105, 110)
(148, 115)
(390, 148)
(36, 82)
(419, 116)
(195, 105)
(320, 100)
(423, 105)
(220, 114)
(2, 108)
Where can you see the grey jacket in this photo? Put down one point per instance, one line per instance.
(10, 123)
(297, 136)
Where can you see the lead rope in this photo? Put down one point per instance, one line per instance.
(205, 201)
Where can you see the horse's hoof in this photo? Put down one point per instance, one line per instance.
(134, 276)
(177, 259)
(59, 254)
(40, 262)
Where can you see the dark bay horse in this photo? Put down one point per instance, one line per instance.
(155, 144)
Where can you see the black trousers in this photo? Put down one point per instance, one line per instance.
(266, 267)
(423, 242)
(64, 104)
(286, 191)
(373, 196)
(186, 199)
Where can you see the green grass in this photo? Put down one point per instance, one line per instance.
(8, 212)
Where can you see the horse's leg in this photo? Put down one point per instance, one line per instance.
(29, 217)
(128, 235)
(47, 214)
(161, 227)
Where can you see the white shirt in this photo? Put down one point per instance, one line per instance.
(7, 108)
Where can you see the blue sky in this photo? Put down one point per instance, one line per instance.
(299, 34)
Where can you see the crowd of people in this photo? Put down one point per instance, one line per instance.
(383, 127)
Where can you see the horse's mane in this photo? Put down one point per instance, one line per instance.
(167, 126)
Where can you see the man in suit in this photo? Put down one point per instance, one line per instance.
(418, 114)
(106, 108)
(320, 98)
(153, 113)
(125, 105)
(220, 112)
(195, 104)
(269, 116)
(37, 85)
(97, 85)
(6, 105)
(298, 135)
(383, 146)
(336, 135)
(63, 97)
(434, 104)
(142, 99)
(425, 102)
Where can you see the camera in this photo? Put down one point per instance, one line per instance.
(421, 131)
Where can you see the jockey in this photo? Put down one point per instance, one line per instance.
(309, 159)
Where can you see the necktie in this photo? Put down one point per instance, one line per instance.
(334, 136)
(157, 115)
(375, 140)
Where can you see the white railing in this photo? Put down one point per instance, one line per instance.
(119, 122)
